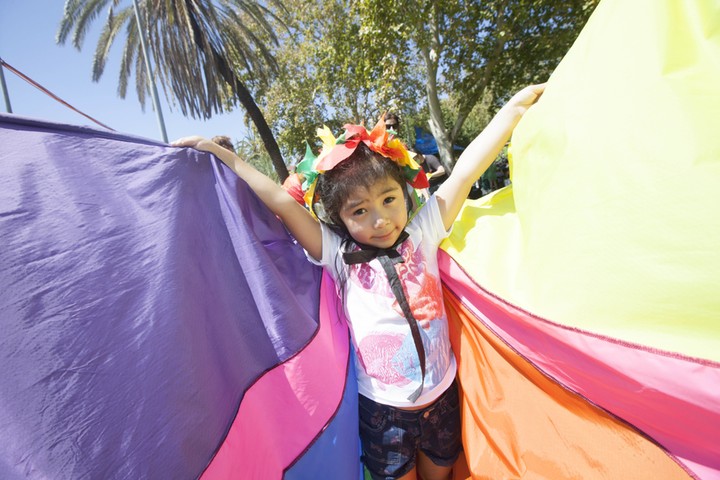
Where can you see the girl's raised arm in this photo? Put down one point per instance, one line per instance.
(296, 218)
(482, 151)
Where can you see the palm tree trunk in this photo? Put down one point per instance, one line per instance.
(248, 102)
(263, 129)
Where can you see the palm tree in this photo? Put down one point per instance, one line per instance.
(196, 45)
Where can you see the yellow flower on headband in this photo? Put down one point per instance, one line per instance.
(328, 139)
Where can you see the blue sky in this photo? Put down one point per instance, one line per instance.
(27, 42)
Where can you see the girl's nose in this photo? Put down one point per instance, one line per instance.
(379, 221)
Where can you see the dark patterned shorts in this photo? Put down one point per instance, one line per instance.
(391, 436)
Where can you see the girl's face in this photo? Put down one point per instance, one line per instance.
(377, 215)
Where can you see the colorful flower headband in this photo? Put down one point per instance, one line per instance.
(335, 151)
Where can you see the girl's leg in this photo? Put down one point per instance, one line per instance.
(441, 443)
(411, 475)
(427, 470)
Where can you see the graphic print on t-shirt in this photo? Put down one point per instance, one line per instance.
(392, 358)
(389, 356)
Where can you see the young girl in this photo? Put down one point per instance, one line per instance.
(383, 258)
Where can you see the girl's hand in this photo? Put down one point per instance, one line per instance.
(526, 97)
(196, 142)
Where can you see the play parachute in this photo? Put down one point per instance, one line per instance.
(159, 322)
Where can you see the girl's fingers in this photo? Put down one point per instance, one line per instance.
(192, 141)
(181, 142)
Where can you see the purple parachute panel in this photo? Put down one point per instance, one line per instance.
(145, 290)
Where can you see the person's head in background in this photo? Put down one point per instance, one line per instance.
(419, 157)
(224, 142)
(392, 122)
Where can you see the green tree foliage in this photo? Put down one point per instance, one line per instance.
(471, 48)
(205, 52)
(330, 75)
(432, 60)
(251, 150)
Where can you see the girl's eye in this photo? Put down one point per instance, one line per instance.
(359, 211)
(389, 199)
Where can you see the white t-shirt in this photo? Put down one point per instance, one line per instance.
(386, 359)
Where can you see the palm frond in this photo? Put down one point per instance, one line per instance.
(200, 51)
(128, 58)
(84, 18)
(70, 12)
(106, 40)
(141, 80)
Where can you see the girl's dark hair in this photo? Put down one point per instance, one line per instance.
(362, 168)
